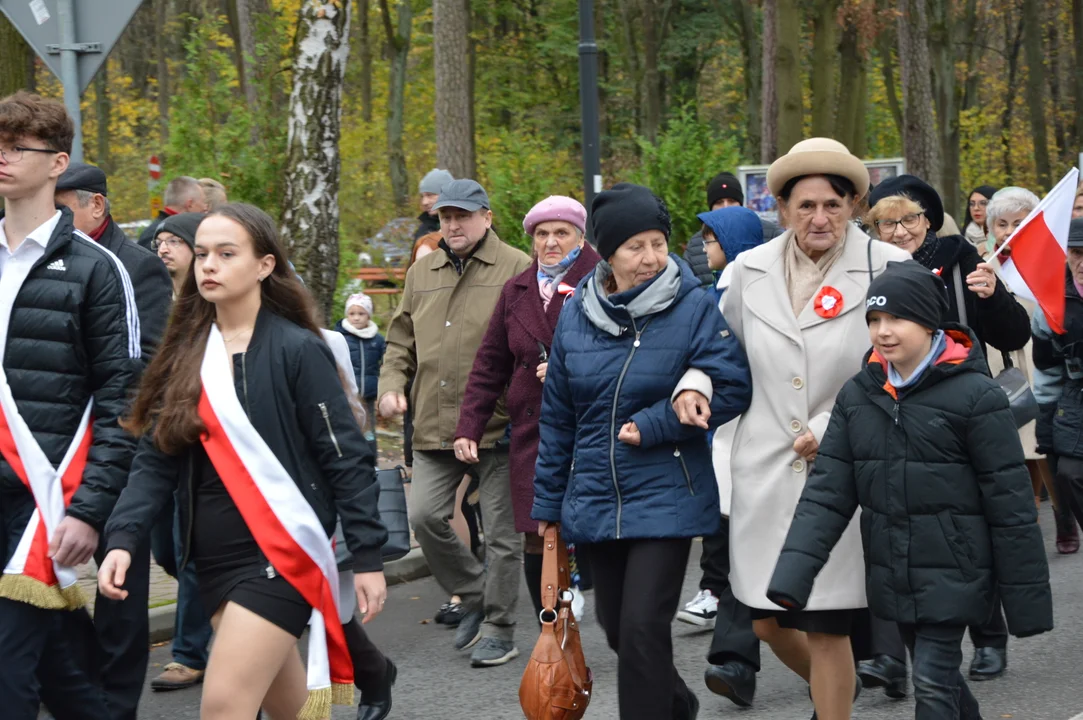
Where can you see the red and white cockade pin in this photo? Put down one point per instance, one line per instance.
(828, 302)
(566, 289)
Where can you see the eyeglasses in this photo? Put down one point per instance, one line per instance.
(978, 203)
(908, 221)
(168, 242)
(15, 154)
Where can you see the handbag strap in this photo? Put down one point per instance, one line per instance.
(958, 277)
(868, 260)
(555, 576)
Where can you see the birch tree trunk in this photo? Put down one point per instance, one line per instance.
(920, 142)
(451, 64)
(769, 135)
(311, 213)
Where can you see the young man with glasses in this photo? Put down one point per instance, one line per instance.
(69, 339)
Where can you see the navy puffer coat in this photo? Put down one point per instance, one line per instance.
(367, 355)
(603, 376)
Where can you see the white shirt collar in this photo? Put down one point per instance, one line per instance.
(40, 236)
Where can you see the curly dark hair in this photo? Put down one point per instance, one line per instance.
(26, 115)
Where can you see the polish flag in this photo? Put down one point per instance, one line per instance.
(1039, 251)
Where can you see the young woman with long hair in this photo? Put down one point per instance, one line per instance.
(242, 412)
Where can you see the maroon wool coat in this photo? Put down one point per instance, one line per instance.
(508, 360)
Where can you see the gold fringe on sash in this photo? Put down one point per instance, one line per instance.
(318, 705)
(342, 693)
(25, 589)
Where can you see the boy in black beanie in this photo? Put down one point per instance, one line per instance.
(924, 442)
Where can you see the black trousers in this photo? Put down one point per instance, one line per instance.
(113, 648)
(1069, 484)
(637, 588)
(369, 664)
(886, 639)
(733, 638)
(37, 651)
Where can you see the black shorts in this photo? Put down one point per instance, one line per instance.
(273, 599)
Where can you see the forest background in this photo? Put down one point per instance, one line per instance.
(971, 92)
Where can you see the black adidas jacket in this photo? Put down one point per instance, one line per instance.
(73, 336)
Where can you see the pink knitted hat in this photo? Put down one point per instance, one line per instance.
(556, 207)
(361, 300)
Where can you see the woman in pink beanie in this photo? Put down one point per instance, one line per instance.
(514, 356)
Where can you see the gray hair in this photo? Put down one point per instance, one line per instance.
(85, 196)
(1010, 200)
(180, 190)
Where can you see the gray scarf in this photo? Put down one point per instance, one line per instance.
(660, 295)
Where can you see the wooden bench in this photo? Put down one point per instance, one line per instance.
(381, 275)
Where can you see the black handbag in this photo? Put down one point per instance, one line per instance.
(1011, 379)
(392, 507)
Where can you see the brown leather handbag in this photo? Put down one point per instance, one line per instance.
(557, 681)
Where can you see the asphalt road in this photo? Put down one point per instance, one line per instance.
(1044, 681)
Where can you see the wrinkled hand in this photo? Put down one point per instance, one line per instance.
(392, 404)
(542, 367)
(466, 450)
(74, 542)
(693, 409)
(371, 588)
(806, 446)
(544, 525)
(629, 434)
(112, 574)
(983, 281)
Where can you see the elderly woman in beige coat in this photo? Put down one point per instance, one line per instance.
(797, 306)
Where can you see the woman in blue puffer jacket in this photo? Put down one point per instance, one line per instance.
(623, 466)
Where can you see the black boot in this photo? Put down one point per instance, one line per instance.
(376, 703)
(886, 672)
(988, 663)
(734, 680)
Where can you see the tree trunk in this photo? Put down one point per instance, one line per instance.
(652, 80)
(920, 143)
(1013, 45)
(942, 58)
(1077, 41)
(769, 136)
(310, 220)
(825, 52)
(850, 124)
(398, 44)
(246, 52)
(365, 52)
(752, 53)
(884, 46)
(451, 63)
(1054, 78)
(1032, 48)
(788, 75)
(160, 21)
(15, 58)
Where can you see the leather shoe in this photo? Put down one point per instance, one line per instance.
(376, 705)
(988, 663)
(886, 672)
(734, 680)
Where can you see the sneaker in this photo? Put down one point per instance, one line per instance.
(177, 677)
(491, 652)
(469, 631)
(579, 604)
(700, 610)
(450, 614)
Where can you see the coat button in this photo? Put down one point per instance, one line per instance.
(798, 466)
(443, 383)
(798, 383)
(530, 412)
(795, 425)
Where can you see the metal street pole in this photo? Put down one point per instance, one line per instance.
(69, 73)
(588, 103)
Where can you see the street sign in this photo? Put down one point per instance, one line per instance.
(154, 167)
(98, 25)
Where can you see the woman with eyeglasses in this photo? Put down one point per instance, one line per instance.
(906, 212)
(977, 224)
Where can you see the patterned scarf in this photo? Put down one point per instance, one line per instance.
(549, 276)
(804, 276)
(927, 252)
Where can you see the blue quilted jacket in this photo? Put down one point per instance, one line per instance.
(609, 366)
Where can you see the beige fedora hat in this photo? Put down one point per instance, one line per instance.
(818, 156)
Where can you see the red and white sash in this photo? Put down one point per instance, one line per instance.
(284, 525)
(30, 576)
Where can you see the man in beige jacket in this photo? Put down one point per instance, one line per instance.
(432, 339)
